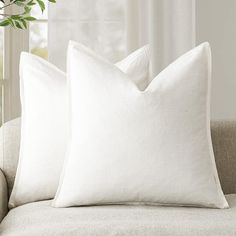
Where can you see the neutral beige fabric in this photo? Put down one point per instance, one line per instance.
(224, 143)
(40, 219)
(223, 137)
(9, 150)
(3, 196)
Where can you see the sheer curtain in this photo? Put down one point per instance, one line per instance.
(98, 24)
(167, 25)
(114, 28)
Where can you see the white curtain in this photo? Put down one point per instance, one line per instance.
(172, 31)
(167, 25)
(98, 24)
(114, 28)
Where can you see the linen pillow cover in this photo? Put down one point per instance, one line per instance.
(44, 124)
(150, 146)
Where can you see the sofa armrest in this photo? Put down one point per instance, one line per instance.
(3, 196)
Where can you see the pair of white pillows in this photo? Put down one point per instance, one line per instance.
(123, 139)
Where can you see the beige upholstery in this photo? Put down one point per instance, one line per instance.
(223, 137)
(9, 150)
(39, 219)
(224, 143)
(3, 196)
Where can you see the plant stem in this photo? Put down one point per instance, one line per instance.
(7, 5)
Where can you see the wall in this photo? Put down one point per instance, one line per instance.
(216, 23)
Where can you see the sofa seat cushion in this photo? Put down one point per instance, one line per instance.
(41, 219)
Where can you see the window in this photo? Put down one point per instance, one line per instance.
(12, 43)
(38, 32)
(1, 72)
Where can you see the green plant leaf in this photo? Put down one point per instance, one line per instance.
(16, 17)
(41, 5)
(31, 3)
(4, 22)
(27, 10)
(18, 25)
(11, 22)
(29, 18)
(20, 4)
(24, 23)
(21, 20)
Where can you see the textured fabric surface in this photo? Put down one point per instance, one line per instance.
(132, 145)
(44, 123)
(224, 143)
(9, 150)
(43, 130)
(40, 219)
(3, 196)
(223, 138)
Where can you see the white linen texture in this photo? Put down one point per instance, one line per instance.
(139, 146)
(44, 130)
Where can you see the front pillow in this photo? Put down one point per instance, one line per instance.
(149, 146)
(44, 124)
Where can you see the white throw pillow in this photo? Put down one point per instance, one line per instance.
(132, 146)
(44, 121)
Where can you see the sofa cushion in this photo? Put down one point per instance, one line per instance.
(41, 219)
(3, 196)
(9, 150)
(224, 141)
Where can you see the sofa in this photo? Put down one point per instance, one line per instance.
(39, 218)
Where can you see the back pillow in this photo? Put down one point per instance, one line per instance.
(44, 123)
